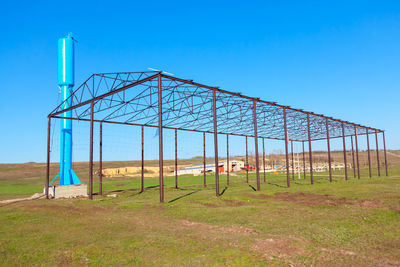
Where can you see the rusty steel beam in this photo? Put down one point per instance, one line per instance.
(190, 130)
(247, 163)
(335, 137)
(153, 126)
(309, 149)
(105, 95)
(101, 160)
(91, 152)
(256, 145)
(227, 159)
(215, 144)
(46, 188)
(160, 141)
(344, 153)
(176, 159)
(264, 159)
(223, 95)
(304, 161)
(329, 150)
(384, 151)
(204, 160)
(286, 149)
(142, 165)
(352, 155)
(252, 98)
(357, 158)
(377, 154)
(369, 156)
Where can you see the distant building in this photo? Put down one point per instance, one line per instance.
(234, 165)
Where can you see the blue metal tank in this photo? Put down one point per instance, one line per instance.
(66, 83)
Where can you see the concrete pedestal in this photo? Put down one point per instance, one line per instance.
(67, 191)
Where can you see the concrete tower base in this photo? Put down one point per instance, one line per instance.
(67, 191)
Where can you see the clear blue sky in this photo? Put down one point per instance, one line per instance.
(339, 58)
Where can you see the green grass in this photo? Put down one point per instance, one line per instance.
(354, 222)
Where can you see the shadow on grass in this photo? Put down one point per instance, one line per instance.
(278, 185)
(152, 186)
(223, 191)
(297, 183)
(252, 187)
(188, 194)
(126, 191)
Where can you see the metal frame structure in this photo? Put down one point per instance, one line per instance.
(155, 99)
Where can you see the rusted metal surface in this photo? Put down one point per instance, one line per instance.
(256, 145)
(247, 162)
(117, 104)
(352, 155)
(304, 161)
(227, 159)
(142, 162)
(344, 154)
(176, 159)
(185, 105)
(369, 156)
(357, 158)
(101, 160)
(214, 106)
(286, 149)
(91, 152)
(310, 150)
(204, 160)
(160, 140)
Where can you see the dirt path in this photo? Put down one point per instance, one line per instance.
(33, 197)
(393, 154)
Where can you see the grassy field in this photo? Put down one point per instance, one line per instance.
(354, 222)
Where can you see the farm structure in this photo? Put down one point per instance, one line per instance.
(234, 165)
(162, 101)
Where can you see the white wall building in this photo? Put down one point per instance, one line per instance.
(234, 165)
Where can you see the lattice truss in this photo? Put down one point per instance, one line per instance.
(132, 98)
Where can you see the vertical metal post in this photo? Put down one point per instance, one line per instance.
(142, 171)
(256, 145)
(352, 155)
(160, 140)
(176, 159)
(46, 188)
(101, 160)
(292, 154)
(304, 162)
(329, 150)
(309, 148)
(286, 149)
(377, 154)
(384, 151)
(91, 152)
(264, 158)
(344, 152)
(204, 159)
(227, 159)
(358, 161)
(369, 156)
(247, 163)
(215, 145)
